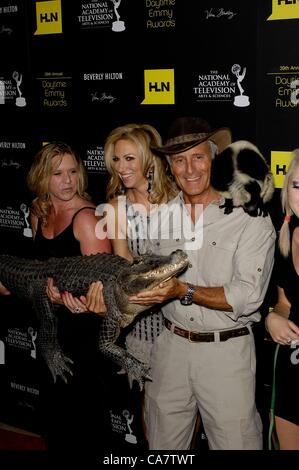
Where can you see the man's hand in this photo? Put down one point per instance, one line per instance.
(164, 291)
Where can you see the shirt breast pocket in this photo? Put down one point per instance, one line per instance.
(219, 260)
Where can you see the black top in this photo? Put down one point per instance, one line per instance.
(288, 278)
(70, 413)
(287, 377)
(77, 334)
(64, 244)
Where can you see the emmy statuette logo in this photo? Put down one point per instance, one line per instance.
(240, 100)
(129, 418)
(2, 92)
(117, 25)
(2, 352)
(33, 334)
(20, 100)
(27, 232)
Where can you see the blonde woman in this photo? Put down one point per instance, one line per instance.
(138, 183)
(63, 223)
(283, 322)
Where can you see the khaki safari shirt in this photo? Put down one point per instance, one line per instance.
(234, 250)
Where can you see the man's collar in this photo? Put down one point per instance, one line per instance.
(216, 202)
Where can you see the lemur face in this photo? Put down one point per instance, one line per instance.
(241, 174)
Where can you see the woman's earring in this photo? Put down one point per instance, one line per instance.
(150, 179)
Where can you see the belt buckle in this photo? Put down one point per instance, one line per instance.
(189, 337)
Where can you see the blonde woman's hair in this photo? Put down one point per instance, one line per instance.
(284, 235)
(41, 171)
(144, 136)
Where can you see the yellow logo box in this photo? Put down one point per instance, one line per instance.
(279, 166)
(284, 10)
(159, 86)
(48, 17)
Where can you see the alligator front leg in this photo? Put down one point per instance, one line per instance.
(50, 349)
(135, 369)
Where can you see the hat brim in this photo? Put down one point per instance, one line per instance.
(221, 137)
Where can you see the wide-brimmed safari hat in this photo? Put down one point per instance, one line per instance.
(186, 132)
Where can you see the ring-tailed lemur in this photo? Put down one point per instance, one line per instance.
(241, 174)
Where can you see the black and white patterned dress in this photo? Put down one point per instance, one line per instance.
(149, 324)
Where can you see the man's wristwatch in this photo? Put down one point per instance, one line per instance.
(188, 298)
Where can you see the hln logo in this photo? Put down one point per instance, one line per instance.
(284, 10)
(158, 86)
(48, 17)
(279, 166)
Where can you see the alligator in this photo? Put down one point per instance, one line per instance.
(121, 278)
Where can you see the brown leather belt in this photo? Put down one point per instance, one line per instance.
(206, 337)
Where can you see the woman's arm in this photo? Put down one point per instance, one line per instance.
(85, 232)
(120, 248)
(117, 229)
(281, 329)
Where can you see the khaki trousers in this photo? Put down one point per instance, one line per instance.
(218, 378)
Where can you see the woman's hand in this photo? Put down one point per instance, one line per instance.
(65, 298)
(74, 304)
(93, 302)
(3, 290)
(282, 330)
(95, 299)
(53, 292)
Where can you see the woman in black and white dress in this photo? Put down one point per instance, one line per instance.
(138, 185)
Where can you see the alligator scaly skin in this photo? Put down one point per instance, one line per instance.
(28, 280)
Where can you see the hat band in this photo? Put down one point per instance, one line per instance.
(186, 138)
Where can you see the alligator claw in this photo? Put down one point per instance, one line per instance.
(136, 370)
(58, 366)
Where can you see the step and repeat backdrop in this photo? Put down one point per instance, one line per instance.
(73, 70)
